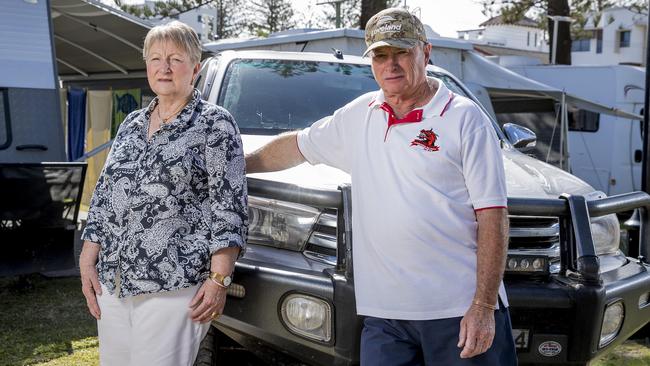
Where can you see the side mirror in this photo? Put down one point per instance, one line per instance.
(520, 137)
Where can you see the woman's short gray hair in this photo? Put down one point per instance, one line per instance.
(181, 34)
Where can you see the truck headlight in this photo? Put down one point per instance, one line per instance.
(280, 224)
(606, 233)
(307, 316)
(612, 322)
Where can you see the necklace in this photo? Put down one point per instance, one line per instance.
(166, 119)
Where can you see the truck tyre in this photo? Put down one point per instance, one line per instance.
(209, 349)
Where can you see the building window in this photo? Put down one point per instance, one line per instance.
(528, 40)
(580, 45)
(199, 35)
(624, 38)
(198, 18)
(535, 39)
(599, 40)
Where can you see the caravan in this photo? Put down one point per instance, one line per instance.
(40, 189)
(604, 150)
(43, 44)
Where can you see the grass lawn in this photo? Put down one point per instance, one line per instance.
(44, 322)
(630, 353)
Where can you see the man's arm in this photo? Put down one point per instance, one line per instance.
(491, 255)
(477, 326)
(279, 154)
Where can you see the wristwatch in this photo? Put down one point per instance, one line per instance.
(225, 281)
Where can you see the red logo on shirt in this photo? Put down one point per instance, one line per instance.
(426, 139)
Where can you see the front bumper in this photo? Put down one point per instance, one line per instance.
(560, 321)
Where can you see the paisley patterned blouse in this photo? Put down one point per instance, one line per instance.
(162, 206)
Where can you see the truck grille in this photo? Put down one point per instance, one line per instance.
(533, 232)
(528, 234)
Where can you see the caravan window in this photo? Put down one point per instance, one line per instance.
(583, 121)
(540, 115)
(5, 132)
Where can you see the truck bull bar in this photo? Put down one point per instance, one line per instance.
(577, 252)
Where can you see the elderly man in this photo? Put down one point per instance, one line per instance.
(429, 221)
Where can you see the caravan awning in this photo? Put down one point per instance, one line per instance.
(501, 82)
(94, 40)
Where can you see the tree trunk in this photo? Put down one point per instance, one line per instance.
(370, 8)
(561, 8)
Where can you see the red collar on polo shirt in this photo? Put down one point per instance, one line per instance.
(411, 117)
(437, 106)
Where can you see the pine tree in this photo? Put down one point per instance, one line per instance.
(230, 22)
(269, 16)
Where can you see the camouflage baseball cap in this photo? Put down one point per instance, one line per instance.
(394, 27)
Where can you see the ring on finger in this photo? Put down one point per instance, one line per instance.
(215, 315)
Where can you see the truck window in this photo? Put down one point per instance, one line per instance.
(5, 123)
(268, 96)
(205, 78)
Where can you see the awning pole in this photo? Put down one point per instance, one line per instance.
(562, 122)
(565, 129)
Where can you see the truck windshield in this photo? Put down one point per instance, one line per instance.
(271, 96)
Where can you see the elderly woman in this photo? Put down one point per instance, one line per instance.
(168, 217)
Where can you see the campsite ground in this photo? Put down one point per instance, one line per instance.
(44, 322)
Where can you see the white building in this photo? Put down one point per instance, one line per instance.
(203, 19)
(495, 37)
(618, 38)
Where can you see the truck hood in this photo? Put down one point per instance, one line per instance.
(525, 176)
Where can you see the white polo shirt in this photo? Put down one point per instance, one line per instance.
(415, 189)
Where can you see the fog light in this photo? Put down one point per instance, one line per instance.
(527, 264)
(307, 316)
(643, 300)
(612, 322)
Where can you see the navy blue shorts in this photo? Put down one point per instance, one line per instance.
(386, 342)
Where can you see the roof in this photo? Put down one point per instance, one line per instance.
(499, 20)
(93, 38)
(305, 56)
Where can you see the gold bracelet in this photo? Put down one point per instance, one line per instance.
(484, 305)
(217, 282)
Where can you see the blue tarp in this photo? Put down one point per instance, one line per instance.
(76, 123)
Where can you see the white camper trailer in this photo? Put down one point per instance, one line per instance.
(604, 150)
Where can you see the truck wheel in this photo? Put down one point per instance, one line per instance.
(209, 349)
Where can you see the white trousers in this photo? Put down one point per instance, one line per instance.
(152, 329)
